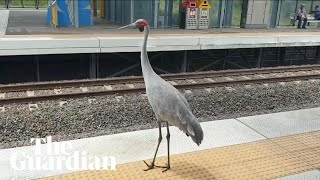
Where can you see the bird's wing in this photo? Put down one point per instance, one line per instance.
(183, 99)
(177, 113)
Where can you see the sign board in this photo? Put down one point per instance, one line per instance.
(192, 13)
(204, 14)
(204, 4)
(189, 4)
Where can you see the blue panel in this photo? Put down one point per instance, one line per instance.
(63, 13)
(85, 15)
(49, 15)
(65, 16)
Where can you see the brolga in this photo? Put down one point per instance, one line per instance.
(169, 105)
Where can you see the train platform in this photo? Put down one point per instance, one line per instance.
(33, 22)
(282, 145)
(131, 42)
(27, 33)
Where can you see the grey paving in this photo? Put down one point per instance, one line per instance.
(27, 18)
(309, 175)
(285, 123)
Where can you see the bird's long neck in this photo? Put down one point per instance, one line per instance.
(145, 64)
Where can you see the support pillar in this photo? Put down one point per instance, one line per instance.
(94, 8)
(102, 9)
(94, 66)
(76, 13)
(36, 58)
(228, 14)
(7, 2)
(184, 67)
(131, 11)
(259, 55)
(318, 55)
(36, 4)
(155, 15)
(170, 10)
(222, 13)
(282, 56)
(226, 54)
(274, 19)
(244, 12)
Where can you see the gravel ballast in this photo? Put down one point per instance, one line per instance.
(130, 112)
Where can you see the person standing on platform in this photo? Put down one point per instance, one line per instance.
(302, 16)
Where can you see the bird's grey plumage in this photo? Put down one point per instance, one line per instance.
(167, 102)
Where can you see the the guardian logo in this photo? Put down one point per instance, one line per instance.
(59, 156)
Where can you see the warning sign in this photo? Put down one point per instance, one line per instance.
(204, 4)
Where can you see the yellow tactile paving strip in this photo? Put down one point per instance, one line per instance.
(266, 159)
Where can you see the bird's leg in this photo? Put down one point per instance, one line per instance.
(151, 166)
(167, 167)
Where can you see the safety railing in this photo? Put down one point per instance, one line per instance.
(25, 3)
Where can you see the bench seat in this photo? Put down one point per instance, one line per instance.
(311, 19)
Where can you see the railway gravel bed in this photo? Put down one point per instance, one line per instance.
(130, 112)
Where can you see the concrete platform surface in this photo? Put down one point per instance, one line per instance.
(284, 124)
(140, 145)
(108, 43)
(309, 175)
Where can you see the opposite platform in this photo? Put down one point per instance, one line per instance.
(108, 43)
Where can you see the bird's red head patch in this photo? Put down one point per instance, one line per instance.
(144, 23)
(141, 23)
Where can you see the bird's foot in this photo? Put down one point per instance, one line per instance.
(165, 168)
(150, 166)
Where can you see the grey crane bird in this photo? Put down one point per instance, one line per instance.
(168, 104)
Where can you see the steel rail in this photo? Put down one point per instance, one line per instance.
(142, 89)
(139, 79)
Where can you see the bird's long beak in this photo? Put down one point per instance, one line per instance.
(127, 26)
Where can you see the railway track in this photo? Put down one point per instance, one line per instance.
(127, 85)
